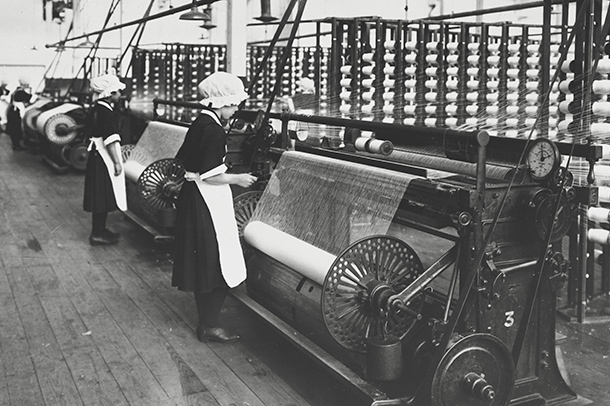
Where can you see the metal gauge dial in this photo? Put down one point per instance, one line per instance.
(542, 158)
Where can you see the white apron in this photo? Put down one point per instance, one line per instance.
(219, 200)
(118, 182)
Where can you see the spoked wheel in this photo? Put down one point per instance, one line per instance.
(348, 308)
(60, 129)
(476, 370)
(126, 151)
(160, 184)
(78, 157)
(244, 206)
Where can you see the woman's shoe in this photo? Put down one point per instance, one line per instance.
(109, 233)
(217, 334)
(102, 240)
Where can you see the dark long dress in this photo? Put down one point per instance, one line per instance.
(99, 196)
(196, 260)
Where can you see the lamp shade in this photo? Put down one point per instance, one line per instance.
(195, 15)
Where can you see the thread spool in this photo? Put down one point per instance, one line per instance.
(432, 46)
(568, 66)
(453, 46)
(411, 58)
(410, 84)
(531, 111)
(430, 122)
(389, 70)
(409, 109)
(410, 70)
(472, 71)
(346, 69)
(345, 96)
(368, 57)
(368, 70)
(473, 59)
(512, 122)
(389, 45)
(493, 47)
(493, 60)
(472, 97)
(512, 73)
(513, 61)
(472, 121)
(532, 73)
(410, 97)
(368, 96)
(493, 110)
(409, 121)
(388, 96)
(491, 122)
(430, 109)
(431, 96)
(512, 110)
(533, 60)
(600, 87)
(346, 82)
(531, 86)
(603, 66)
(453, 59)
(492, 85)
(432, 58)
(452, 97)
(512, 85)
(600, 129)
(452, 122)
(373, 145)
(367, 108)
(604, 194)
(493, 72)
(345, 108)
(432, 71)
(453, 71)
(491, 97)
(452, 84)
(472, 84)
(601, 108)
(599, 236)
(533, 48)
(368, 83)
(431, 83)
(388, 109)
(451, 109)
(512, 97)
(472, 109)
(514, 48)
(532, 98)
(411, 45)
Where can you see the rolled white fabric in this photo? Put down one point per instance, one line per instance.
(46, 115)
(311, 262)
(599, 214)
(604, 194)
(599, 236)
(133, 170)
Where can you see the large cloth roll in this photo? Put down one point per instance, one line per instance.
(304, 258)
(43, 118)
(158, 141)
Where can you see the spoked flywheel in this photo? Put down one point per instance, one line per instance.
(126, 151)
(160, 184)
(244, 205)
(367, 269)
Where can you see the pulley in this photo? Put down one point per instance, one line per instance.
(357, 288)
(476, 370)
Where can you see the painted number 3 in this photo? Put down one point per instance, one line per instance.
(509, 318)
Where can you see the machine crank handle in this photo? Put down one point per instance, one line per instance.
(397, 305)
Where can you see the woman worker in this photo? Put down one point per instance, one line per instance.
(104, 177)
(208, 257)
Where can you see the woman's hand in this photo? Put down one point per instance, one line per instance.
(245, 180)
(117, 168)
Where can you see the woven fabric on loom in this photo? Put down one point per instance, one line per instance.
(159, 141)
(330, 203)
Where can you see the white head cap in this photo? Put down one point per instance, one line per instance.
(222, 89)
(106, 84)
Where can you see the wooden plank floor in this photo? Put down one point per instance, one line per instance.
(82, 325)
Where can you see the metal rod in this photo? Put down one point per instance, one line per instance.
(491, 10)
(138, 21)
(286, 39)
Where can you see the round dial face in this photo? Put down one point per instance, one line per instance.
(542, 158)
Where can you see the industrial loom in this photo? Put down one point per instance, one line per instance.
(426, 261)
